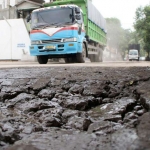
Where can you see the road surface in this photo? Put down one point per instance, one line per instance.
(88, 106)
(9, 64)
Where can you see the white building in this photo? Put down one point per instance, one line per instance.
(6, 3)
(14, 39)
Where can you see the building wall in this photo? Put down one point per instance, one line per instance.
(8, 13)
(1, 2)
(9, 10)
(15, 41)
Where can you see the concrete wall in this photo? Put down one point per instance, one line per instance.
(8, 13)
(14, 40)
(17, 1)
(27, 6)
(11, 12)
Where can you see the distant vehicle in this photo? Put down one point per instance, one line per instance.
(142, 58)
(133, 54)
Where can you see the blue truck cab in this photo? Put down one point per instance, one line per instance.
(58, 32)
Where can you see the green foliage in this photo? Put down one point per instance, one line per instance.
(142, 26)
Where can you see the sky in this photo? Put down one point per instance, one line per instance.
(124, 10)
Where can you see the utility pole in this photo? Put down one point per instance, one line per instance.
(10, 36)
(8, 5)
(3, 4)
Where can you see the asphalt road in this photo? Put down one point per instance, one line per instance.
(87, 106)
(10, 64)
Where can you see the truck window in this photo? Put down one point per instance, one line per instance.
(52, 16)
(134, 52)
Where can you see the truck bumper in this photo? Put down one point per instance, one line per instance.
(56, 49)
(133, 58)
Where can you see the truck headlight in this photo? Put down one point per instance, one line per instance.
(70, 40)
(35, 42)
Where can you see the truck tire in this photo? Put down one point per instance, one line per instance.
(80, 57)
(92, 57)
(69, 60)
(42, 59)
(99, 57)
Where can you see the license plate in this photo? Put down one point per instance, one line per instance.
(50, 47)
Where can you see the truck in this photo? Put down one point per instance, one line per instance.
(71, 29)
(134, 52)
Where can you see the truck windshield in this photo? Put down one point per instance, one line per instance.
(51, 17)
(133, 52)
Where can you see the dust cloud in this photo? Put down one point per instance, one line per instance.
(111, 55)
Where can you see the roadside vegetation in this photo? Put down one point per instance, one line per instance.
(142, 27)
(119, 38)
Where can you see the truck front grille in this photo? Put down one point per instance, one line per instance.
(51, 41)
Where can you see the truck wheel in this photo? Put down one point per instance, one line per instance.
(99, 57)
(42, 59)
(80, 57)
(69, 60)
(91, 57)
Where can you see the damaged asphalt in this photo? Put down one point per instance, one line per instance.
(75, 108)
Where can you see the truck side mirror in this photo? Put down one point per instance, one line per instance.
(28, 18)
(77, 10)
(78, 17)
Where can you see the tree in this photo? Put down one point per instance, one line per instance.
(125, 39)
(142, 26)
